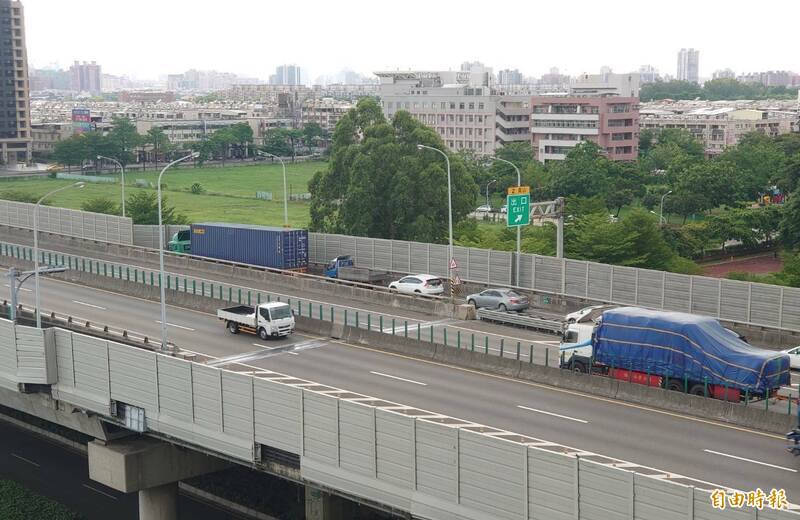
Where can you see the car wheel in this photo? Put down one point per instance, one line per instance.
(473, 303)
(233, 327)
(502, 307)
(262, 333)
(417, 291)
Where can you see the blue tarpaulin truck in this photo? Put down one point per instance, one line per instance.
(674, 350)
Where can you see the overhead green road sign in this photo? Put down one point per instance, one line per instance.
(518, 204)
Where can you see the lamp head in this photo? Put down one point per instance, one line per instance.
(419, 147)
(80, 185)
(195, 155)
(99, 157)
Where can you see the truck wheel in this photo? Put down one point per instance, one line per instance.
(233, 327)
(262, 333)
(697, 390)
(675, 385)
(579, 367)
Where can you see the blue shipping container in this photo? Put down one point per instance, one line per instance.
(274, 247)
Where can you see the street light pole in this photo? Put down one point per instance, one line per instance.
(487, 190)
(661, 212)
(449, 214)
(519, 228)
(122, 169)
(285, 197)
(36, 246)
(192, 155)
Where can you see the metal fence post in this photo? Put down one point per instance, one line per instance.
(458, 339)
(369, 321)
(518, 347)
(486, 344)
(356, 319)
(405, 327)
(444, 331)
(419, 332)
(392, 326)
(502, 345)
(345, 316)
(431, 333)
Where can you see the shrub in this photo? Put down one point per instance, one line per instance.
(197, 188)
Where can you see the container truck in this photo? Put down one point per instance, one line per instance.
(343, 268)
(676, 351)
(274, 319)
(273, 247)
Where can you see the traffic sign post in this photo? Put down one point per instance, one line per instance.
(518, 204)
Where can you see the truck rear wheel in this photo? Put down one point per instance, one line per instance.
(262, 333)
(233, 327)
(675, 385)
(697, 390)
(579, 367)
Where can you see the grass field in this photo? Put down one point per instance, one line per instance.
(230, 192)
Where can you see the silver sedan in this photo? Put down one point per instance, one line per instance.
(500, 299)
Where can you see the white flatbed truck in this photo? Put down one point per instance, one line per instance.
(274, 319)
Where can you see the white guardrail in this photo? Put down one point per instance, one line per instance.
(428, 464)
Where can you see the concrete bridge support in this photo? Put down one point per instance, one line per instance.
(150, 467)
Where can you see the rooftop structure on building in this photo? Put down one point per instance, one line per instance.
(689, 65)
(723, 74)
(608, 83)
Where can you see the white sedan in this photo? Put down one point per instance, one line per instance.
(418, 284)
(794, 357)
(575, 317)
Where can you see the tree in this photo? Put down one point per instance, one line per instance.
(142, 207)
(790, 223)
(206, 148)
(70, 151)
(222, 140)
(159, 141)
(670, 90)
(379, 184)
(646, 140)
(703, 187)
(625, 184)
(758, 161)
(22, 196)
(242, 136)
(123, 139)
(584, 172)
(101, 205)
(275, 143)
(311, 133)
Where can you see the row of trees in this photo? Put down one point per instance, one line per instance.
(714, 90)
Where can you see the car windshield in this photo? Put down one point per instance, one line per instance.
(435, 282)
(278, 313)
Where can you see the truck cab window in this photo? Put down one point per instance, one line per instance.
(264, 314)
(571, 337)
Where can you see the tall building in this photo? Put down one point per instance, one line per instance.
(689, 65)
(648, 74)
(15, 122)
(561, 122)
(86, 77)
(723, 74)
(286, 75)
(509, 77)
(461, 106)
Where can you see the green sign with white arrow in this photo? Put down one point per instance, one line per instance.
(518, 204)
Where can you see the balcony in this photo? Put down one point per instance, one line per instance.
(507, 138)
(502, 123)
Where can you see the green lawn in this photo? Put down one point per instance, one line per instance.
(230, 192)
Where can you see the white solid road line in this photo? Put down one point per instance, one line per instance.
(90, 305)
(749, 460)
(176, 326)
(23, 289)
(23, 459)
(553, 414)
(99, 491)
(270, 348)
(398, 378)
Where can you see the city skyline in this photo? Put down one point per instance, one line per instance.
(370, 48)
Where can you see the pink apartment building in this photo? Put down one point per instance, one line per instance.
(561, 122)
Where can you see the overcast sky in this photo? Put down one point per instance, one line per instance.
(150, 38)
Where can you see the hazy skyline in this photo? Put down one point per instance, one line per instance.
(248, 37)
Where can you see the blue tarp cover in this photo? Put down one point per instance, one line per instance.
(677, 343)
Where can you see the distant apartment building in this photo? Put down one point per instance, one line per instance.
(689, 65)
(15, 138)
(325, 112)
(626, 85)
(509, 77)
(286, 75)
(86, 77)
(146, 96)
(772, 78)
(561, 122)
(461, 106)
(202, 80)
(45, 136)
(723, 74)
(50, 79)
(648, 74)
(719, 127)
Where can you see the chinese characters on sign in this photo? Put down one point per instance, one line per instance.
(518, 204)
(776, 499)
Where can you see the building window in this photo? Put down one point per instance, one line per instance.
(472, 106)
(461, 106)
(452, 106)
(442, 105)
(480, 106)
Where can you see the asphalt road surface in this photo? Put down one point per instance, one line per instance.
(701, 449)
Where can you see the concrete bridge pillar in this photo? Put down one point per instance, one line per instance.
(150, 467)
(321, 505)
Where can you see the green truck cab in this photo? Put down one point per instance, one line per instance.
(181, 242)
